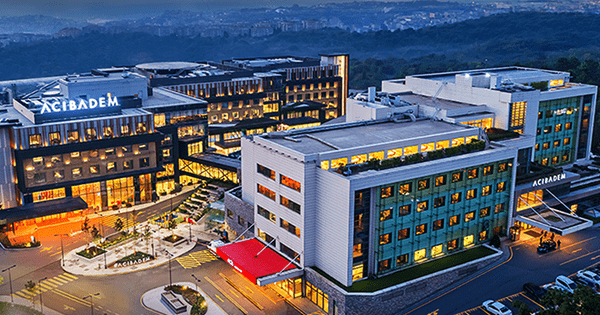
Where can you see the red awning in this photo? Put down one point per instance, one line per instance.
(242, 256)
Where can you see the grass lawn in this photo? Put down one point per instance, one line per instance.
(589, 217)
(372, 285)
(6, 309)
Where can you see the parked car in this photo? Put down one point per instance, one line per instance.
(589, 276)
(496, 308)
(552, 286)
(568, 284)
(546, 246)
(534, 290)
(214, 244)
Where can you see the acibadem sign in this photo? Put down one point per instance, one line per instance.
(70, 106)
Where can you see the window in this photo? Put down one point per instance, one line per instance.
(143, 147)
(568, 126)
(289, 227)
(423, 184)
(440, 180)
(38, 160)
(537, 147)
(438, 224)
(546, 145)
(457, 177)
(385, 239)
(569, 110)
(166, 153)
(556, 144)
(402, 260)
(387, 192)
(75, 155)
(267, 214)
(488, 170)
(500, 187)
(555, 160)
(125, 130)
(331, 94)
(456, 197)
(547, 129)
(404, 210)
(540, 115)
(468, 240)
(558, 127)
(437, 250)
(288, 182)
(566, 141)
(140, 128)
(59, 175)
(484, 212)
(230, 213)
(472, 173)
(107, 132)
(126, 149)
(565, 158)
(127, 165)
(93, 153)
(265, 191)
(76, 172)
(545, 161)
(420, 254)
(90, 134)
(383, 265)
(454, 220)
(54, 138)
(517, 115)
(482, 236)
(94, 169)
(241, 221)
(486, 190)
(502, 167)
(403, 234)
(109, 151)
(265, 171)
(439, 202)
(538, 132)
(405, 189)
(289, 204)
(39, 177)
(73, 136)
(111, 167)
(421, 229)
(386, 214)
(422, 206)
(144, 162)
(549, 113)
(453, 244)
(469, 216)
(35, 140)
(472, 193)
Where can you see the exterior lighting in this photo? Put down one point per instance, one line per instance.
(85, 160)
(103, 157)
(30, 168)
(67, 162)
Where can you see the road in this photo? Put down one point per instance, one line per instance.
(505, 281)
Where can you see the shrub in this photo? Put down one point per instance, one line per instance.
(495, 241)
(434, 155)
(454, 150)
(200, 307)
(413, 158)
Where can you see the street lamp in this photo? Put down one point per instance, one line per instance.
(198, 280)
(10, 281)
(170, 277)
(62, 249)
(40, 288)
(91, 296)
(104, 259)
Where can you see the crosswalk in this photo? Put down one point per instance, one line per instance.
(46, 285)
(196, 259)
(110, 221)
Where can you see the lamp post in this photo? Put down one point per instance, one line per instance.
(190, 227)
(62, 248)
(41, 301)
(10, 281)
(198, 280)
(105, 259)
(91, 296)
(170, 277)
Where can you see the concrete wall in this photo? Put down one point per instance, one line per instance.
(394, 299)
(8, 197)
(240, 208)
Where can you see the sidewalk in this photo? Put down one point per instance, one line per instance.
(78, 265)
(151, 300)
(27, 303)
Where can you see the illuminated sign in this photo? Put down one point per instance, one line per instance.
(549, 179)
(71, 105)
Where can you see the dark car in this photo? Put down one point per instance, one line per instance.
(534, 290)
(546, 246)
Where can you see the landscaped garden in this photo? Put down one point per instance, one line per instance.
(91, 252)
(192, 297)
(173, 238)
(135, 257)
(121, 238)
(8, 309)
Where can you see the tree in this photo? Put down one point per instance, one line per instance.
(524, 309)
(95, 233)
(582, 301)
(85, 226)
(134, 216)
(119, 224)
(171, 226)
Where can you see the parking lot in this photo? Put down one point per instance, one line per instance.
(507, 301)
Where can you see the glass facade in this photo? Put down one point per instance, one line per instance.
(558, 122)
(443, 227)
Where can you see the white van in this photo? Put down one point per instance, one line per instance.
(566, 283)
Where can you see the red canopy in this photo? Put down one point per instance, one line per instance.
(242, 256)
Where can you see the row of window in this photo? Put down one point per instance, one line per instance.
(558, 112)
(282, 223)
(557, 128)
(77, 172)
(311, 86)
(441, 180)
(90, 134)
(282, 200)
(556, 159)
(309, 96)
(436, 250)
(439, 224)
(236, 115)
(51, 161)
(284, 180)
(555, 144)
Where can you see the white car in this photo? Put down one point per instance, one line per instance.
(496, 308)
(589, 276)
(568, 284)
(553, 286)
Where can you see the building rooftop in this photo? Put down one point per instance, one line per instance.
(164, 98)
(517, 74)
(355, 135)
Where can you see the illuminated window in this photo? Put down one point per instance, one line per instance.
(557, 82)
(411, 150)
(484, 212)
(500, 187)
(94, 169)
(325, 165)
(437, 250)
(468, 240)
(440, 180)
(453, 220)
(546, 145)
(376, 155)
(457, 177)
(545, 161)
(59, 175)
(402, 260)
(289, 204)
(107, 133)
(335, 163)
(488, 170)
(404, 210)
(556, 144)
(499, 208)
(537, 147)
(141, 128)
(482, 236)
(502, 167)
(394, 153)
(458, 141)
(385, 239)
(547, 129)
(384, 265)
(51, 194)
(144, 162)
(442, 144)
(265, 191)
(75, 155)
(569, 110)
(127, 165)
(90, 134)
(387, 192)
(111, 167)
(486, 190)
(404, 234)
(289, 227)
(125, 130)
(357, 272)
(472, 173)
(357, 159)
(73, 136)
(166, 153)
(456, 197)
(558, 127)
(439, 202)
(110, 151)
(143, 147)
(565, 158)
(288, 182)
(469, 216)
(269, 173)
(405, 189)
(76, 172)
(453, 244)
(423, 184)
(426, 147)
(385, 214)
(54, 138)
(471, 139)
(568, 126)
(438, 224)
(555, 160)
(566, 141)
(420, 254)
(421, 229)
(540, 115)
(517, 115)
(38, 160)
(471, 193)
(267, 214)
(422, 206)
(35, 140)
